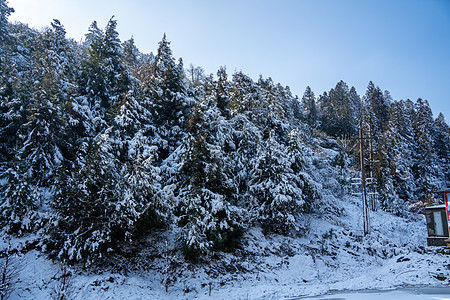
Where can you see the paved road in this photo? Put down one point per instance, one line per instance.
(419, 293)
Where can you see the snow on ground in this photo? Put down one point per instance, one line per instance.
(332, 256)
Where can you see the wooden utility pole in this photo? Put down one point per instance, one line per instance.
(366, 217)
(372, 193)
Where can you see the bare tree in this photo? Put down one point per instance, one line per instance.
(168, 271)
(10, 266)
(63, 288)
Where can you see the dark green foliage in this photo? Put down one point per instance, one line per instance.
(245, 97)
(19, 201)
(206, 211)
(277, 193)
(222, 92)
(308, 105)
(339, 110)
(424, 167)
(171, 105)
(85, 205)
(5, 12)
(104, 79)
(441, 144)
(378, 107)
(168, 91)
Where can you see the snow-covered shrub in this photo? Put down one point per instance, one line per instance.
(18, 203)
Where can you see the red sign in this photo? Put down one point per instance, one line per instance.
(446, 196)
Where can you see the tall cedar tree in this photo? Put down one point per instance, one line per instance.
(206, 211)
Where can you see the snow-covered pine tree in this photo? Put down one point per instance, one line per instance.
(356, 104)
(246, 98)
(55, 61)
(41, 150)
(117, 78)
(5, 12)
(89, 220)
(104, 79)
(425, 166)
(168, 89)
(240, 141)
(132, 133)
(276, 99)
(338, 112)
(275, 190)
(130, 53)
(19, 198)
(171, 104)
(207, 195)
(12, 105)
(386, 155)
(32, 170)
(398, 144)
(297, 153)
(378, 107)
(222, 87)
(308, 106)
(19, 201)
(441, 146)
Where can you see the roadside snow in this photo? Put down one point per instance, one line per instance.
(333, 256)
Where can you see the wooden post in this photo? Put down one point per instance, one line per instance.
(366, 218)
(371, 167)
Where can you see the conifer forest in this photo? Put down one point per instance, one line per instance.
(102, 147)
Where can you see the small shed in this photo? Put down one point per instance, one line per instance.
(438, 222)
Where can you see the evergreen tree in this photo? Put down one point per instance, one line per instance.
(222, 92)
(41, 148)
(441, 146)
(55, 60)
(130, 53)
(338, 111)
(356, 104)
(206, 208)
(131, 137)
(387, 155)
(5, 12)
(19, 200)
(104, 79)
(246, 98)
(44, 130)
(399, 138)
(171, 105)
(378, 107)
(117, 79)
(89, 214)
(12, 103)
(276, 191)
(167, 86)
(308, 105)
(425, 166)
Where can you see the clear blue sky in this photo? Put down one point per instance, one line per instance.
(401, 45)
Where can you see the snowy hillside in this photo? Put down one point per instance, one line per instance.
(334, 256)
(126, 175)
